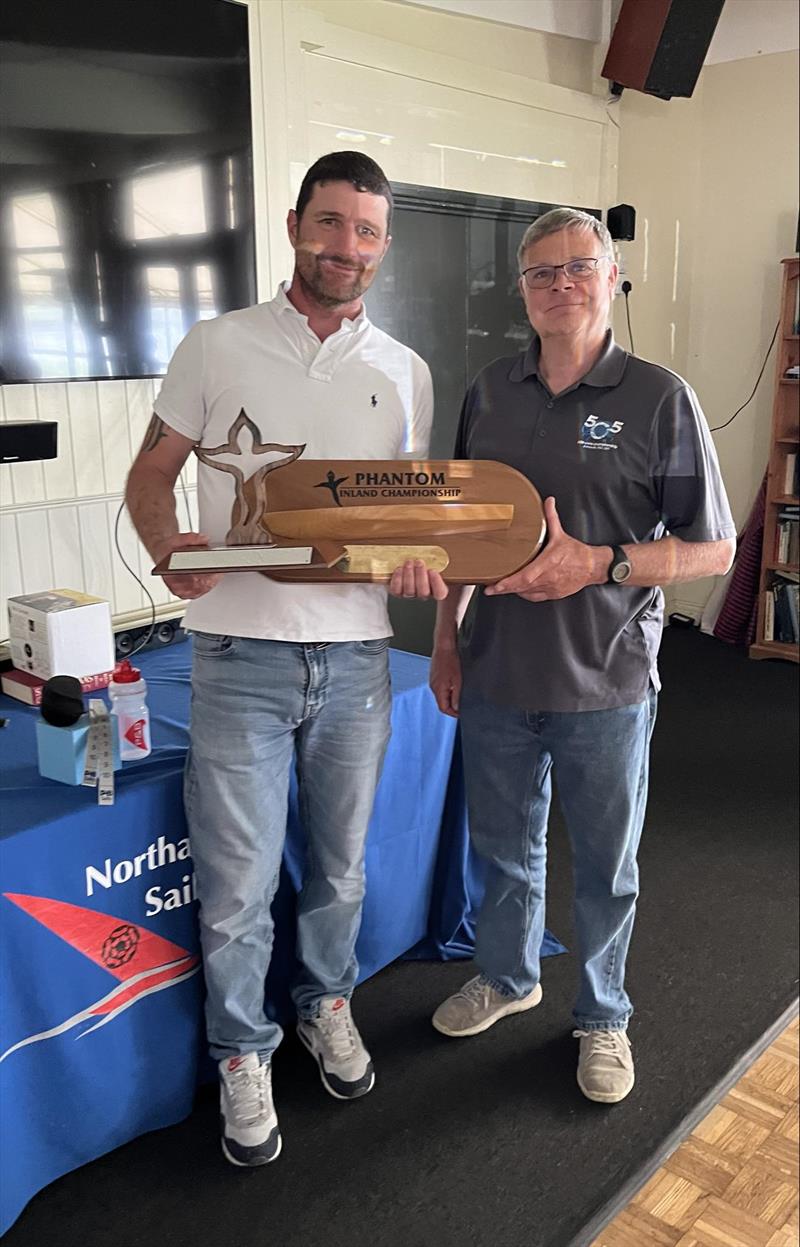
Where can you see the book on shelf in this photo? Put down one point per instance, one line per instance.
(781, 609)
(784, 628)
(792, 595)
(790, 480)
(769, 615)
(28, 688)
(787, 538)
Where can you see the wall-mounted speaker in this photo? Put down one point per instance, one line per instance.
(621, 222)
(658, 46)
(26, 440)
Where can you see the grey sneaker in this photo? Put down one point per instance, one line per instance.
(477, 1006)
(248, 1122)
(605, 1065)
(333, 1040)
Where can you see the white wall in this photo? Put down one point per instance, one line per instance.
(714, 180)
(427, 83)
(530, 53)
(747, 225)
(754, 28)
(715, 183)
(436, 99)
(579, 19)
(57, 518)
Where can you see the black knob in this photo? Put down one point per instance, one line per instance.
(62, 700)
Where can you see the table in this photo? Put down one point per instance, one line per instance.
(101, 1034)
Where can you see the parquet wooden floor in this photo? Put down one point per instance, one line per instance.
(734, 1181)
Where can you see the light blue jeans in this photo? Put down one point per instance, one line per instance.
(257, 706)
(600, 762)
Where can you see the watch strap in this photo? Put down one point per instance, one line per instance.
(618, 556)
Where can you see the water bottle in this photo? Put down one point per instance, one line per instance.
(128, 693)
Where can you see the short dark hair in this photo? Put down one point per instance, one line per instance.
(354, 167)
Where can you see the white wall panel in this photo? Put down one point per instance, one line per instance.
(87, 444)
(441, 136)
(96, 543)
(128, 595)
(59, 473)
(6, 487)
(66, 547)
(10, 567)
(139, 404)
(35, 551)
(115, 435)
(27, 479)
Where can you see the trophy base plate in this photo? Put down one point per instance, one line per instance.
(197, 560)
(378, 561)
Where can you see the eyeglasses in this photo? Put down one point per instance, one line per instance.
(543, 275)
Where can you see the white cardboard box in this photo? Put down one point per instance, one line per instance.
(60, 632)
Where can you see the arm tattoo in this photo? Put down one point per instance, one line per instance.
(155, 431)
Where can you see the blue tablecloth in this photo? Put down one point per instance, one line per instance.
(101, 1031)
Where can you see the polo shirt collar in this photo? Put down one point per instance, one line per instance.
(607, 371)
(283, 304)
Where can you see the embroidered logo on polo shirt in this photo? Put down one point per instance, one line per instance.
(597, 434)
(374, 400)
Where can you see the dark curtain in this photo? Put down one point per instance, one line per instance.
(736, 623)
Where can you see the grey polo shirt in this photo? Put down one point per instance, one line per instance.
(628, 457)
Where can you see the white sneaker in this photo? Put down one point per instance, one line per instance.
(248, 1121)
(605, 1065)
(333, 1040)
(477, 1006)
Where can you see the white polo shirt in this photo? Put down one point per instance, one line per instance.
(357, 395)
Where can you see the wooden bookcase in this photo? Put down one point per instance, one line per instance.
(785, 440)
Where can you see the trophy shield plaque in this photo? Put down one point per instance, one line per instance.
(475, 521)
(356, 520)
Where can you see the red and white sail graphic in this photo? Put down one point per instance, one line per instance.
(140, 960)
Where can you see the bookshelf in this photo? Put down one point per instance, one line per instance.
(780, 569)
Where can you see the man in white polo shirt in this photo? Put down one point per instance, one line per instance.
(285, 669)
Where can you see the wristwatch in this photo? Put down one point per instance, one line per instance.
(619, 569)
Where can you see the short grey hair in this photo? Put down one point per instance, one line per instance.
(559, 219)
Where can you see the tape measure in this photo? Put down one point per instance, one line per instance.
(98, 770)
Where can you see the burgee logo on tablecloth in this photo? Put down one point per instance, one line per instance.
(141, 961)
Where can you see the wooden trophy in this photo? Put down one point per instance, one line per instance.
(356, 520)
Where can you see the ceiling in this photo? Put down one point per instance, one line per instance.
(746, 27)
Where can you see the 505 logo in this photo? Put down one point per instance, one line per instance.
(597, 434)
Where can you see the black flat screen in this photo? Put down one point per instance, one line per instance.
(126, 199)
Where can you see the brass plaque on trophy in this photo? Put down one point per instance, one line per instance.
(356, 520)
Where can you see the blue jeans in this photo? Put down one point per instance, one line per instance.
(257, 706)
(600, 761)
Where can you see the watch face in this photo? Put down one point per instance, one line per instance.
(621, 572)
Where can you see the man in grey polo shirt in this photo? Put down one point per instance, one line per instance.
(554, 671)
